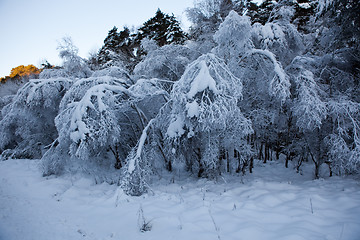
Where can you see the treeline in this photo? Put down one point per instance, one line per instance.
(124, 47)
(26, 72)
(247, 82)
(20, 72)
(120, 47)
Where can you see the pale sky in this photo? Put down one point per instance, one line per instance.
(30, 29)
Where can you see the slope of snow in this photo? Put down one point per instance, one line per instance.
(272, 203)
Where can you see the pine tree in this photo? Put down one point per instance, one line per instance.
(304, 9)
(264, 11)
(112, 41)
(124, 48)
(162, 28)
(117, 49)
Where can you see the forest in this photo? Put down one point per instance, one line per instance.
(247, 82)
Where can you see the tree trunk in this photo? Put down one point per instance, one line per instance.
(201, 167)
(260, 152)
(299, 164)
(267, 152)
(317, 165)
(277, 154)
(251, 164)
(330, 169)
(287, 160)
(317, 170)
(115, 151)
(167, 162)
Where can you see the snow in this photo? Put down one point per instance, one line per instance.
(192, 109)
(140, 146)
(278, 70)
(305, 5)
(280, 85)
(112, 71)
(176, 128)
(78, 126)
(323, 5)
(271, 33)
(202, 81)
(271, 203)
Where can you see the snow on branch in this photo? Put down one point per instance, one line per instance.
(78, 127)
(203, 96)
(202, 81)
(139, 147)
(346, 115)
(280, 84)
(324, 5)
(269, 35)
(345, 143)
(208, 72)
(309, 108)
(81, 86)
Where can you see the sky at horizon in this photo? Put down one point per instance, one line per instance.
(30, 30)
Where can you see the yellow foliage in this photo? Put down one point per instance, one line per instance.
(24, 71)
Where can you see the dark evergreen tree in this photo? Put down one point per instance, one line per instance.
(343, 19)
(304, 9)
(162, 28)
(251, 8)
(264, 11)
(124, 48)
(117, 49)
(112, 40)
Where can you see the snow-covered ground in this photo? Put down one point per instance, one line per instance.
(271, 203)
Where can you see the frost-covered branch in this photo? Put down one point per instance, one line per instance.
(139, 148)
(279, 85)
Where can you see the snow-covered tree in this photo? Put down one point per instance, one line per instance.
(27, 123)
(279, 36)
(86, 123)
(309, 107)
(73, 66)
(267, 84)
(167, 62)
(344, 143)
(117, 50)
(338, 24)
(325, 112)
(236, 48)
(99, 123)
(162, 28)
(135, 180)
(204, 103)
(205, 20)
(233, 39)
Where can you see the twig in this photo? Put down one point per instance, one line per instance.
(217, 229)
(143, 224)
